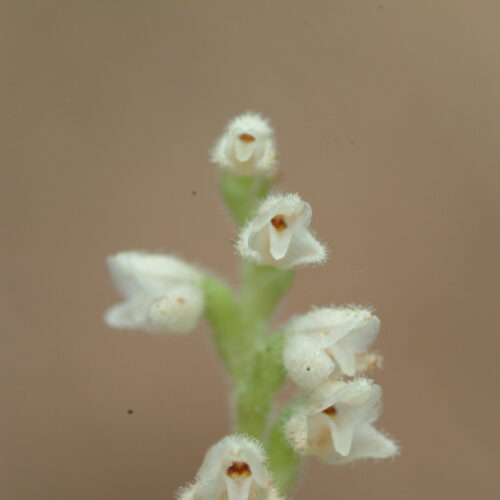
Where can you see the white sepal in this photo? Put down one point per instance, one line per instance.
(330, 340)
(233, 469)
(246, 146)
(162, 293)
(278, 235)
(335, 421)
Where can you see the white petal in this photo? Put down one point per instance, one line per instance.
(279, 242)
(139, 272)
(238, 489)
(367, 443)
(342, 435)
(188, 493)
(244, 150)
(345, 356)
(131, 314)
(304, 250)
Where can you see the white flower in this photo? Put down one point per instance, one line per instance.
(278, 235)
(330, 340)
(247, 146)
(162, 293)
(335, 423)
(233, 469)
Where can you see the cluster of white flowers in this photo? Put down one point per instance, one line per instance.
(325, 353)
(334, 419)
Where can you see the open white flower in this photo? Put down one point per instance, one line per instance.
(247, 146)
(233, 469)
(335, 423)
(330, 340)
(162, 293)
(279, 236)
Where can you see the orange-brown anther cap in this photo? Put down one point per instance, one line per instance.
(330, 411)
(247, 137)
(239, 469)
(279, 223)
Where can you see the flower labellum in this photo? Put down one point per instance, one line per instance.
(278, 235)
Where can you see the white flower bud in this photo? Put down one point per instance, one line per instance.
(233, 469)
(330, 340)
(278, 235)
(162, 293)
(335, 423)
(246, 147)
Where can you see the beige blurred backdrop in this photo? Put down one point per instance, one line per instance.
(387, 118)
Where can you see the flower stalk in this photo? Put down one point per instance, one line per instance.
(324, 352)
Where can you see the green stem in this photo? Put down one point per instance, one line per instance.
(231, 340)
(255, 394)
(262, 288)
(284, 462)
(241, 194)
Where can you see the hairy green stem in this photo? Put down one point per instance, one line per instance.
(284, 462)
(252, 356)
(241, 194)
(256, 393)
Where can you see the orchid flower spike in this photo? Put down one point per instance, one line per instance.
(247, 146)
(162, 293)
(233, 469)
(330, 340)
(335, 423)
(279, 236)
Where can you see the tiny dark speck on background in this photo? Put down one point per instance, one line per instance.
(130, 411)
(194, 193)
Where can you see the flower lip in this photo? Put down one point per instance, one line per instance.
(239, 470)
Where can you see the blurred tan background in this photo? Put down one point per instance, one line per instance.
(387, 117)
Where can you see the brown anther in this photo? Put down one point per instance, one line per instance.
(239, 469)
(247, 137)
(278, 221)
(330, 411)
(181, 300)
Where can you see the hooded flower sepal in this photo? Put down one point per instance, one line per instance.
(330, 341)
(335, 421)
(279, 234)
(233, 469)
(161, 293)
